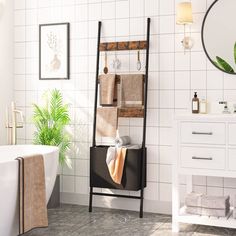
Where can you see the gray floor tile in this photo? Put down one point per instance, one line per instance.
(74, 220)
(209, 231)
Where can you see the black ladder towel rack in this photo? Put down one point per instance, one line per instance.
(136, 159)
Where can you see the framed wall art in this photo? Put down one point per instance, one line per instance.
(54, 51)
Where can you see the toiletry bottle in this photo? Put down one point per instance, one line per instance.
(195, 104)
(234, 108)
(203, 106)
(226, 109)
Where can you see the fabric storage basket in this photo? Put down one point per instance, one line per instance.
(131, 180)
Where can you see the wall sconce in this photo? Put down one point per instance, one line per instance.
(185, 17)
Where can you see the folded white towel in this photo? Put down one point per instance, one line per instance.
(215, 202)
(234, 213)
(234, 201)
(193, 210)
(208, 211)
(215, 212)
(206, 201)
(122, 141)
(111, 155)
(194, 199)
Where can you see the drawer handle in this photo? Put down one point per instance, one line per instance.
(202, 158)
(202, 133)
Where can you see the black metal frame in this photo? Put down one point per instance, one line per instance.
(68, 50)
(143, 163)
(202, 38)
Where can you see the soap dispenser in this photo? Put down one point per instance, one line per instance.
(195, 104)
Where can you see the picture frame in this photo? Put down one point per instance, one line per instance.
(54, 51)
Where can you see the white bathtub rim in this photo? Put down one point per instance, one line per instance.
(45, 150)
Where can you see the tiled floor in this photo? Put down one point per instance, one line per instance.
(73, 220)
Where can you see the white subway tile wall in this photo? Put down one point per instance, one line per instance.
(174, 76)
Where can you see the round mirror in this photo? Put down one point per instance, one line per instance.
(219, 35)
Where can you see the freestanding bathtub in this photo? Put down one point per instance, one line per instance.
(9, 181)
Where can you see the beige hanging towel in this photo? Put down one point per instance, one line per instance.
(115, 160)
(32, 193)
(106, 121)
(131, 90)
(108, 94)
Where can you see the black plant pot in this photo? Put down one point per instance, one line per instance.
(54, 200)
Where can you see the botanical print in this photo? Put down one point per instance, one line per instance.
(54, 51)
(54, 43)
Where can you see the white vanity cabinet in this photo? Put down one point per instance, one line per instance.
(205, 145)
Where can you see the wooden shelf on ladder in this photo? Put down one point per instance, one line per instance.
(131, 112)
(126, 45)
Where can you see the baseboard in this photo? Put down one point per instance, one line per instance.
(117, 203)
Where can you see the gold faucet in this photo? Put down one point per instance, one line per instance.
(13, 124)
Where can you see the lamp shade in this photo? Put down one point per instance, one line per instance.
(184, 13)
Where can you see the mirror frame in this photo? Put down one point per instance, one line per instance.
(202, 38)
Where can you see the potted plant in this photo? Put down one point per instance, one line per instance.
(51, 120)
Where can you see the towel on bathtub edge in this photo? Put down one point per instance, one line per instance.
(32, 193)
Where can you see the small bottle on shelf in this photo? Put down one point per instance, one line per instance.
(226, 109)
(195, 104)
(203, 106)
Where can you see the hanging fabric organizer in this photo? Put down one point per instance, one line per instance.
(134, 173)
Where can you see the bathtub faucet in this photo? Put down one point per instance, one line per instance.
(13, 124)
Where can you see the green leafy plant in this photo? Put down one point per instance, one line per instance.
(225, 66)
(51, 120)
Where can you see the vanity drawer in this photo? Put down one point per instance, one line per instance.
(232, 134)
(203, 133)
(203, 158)
(232, 159)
